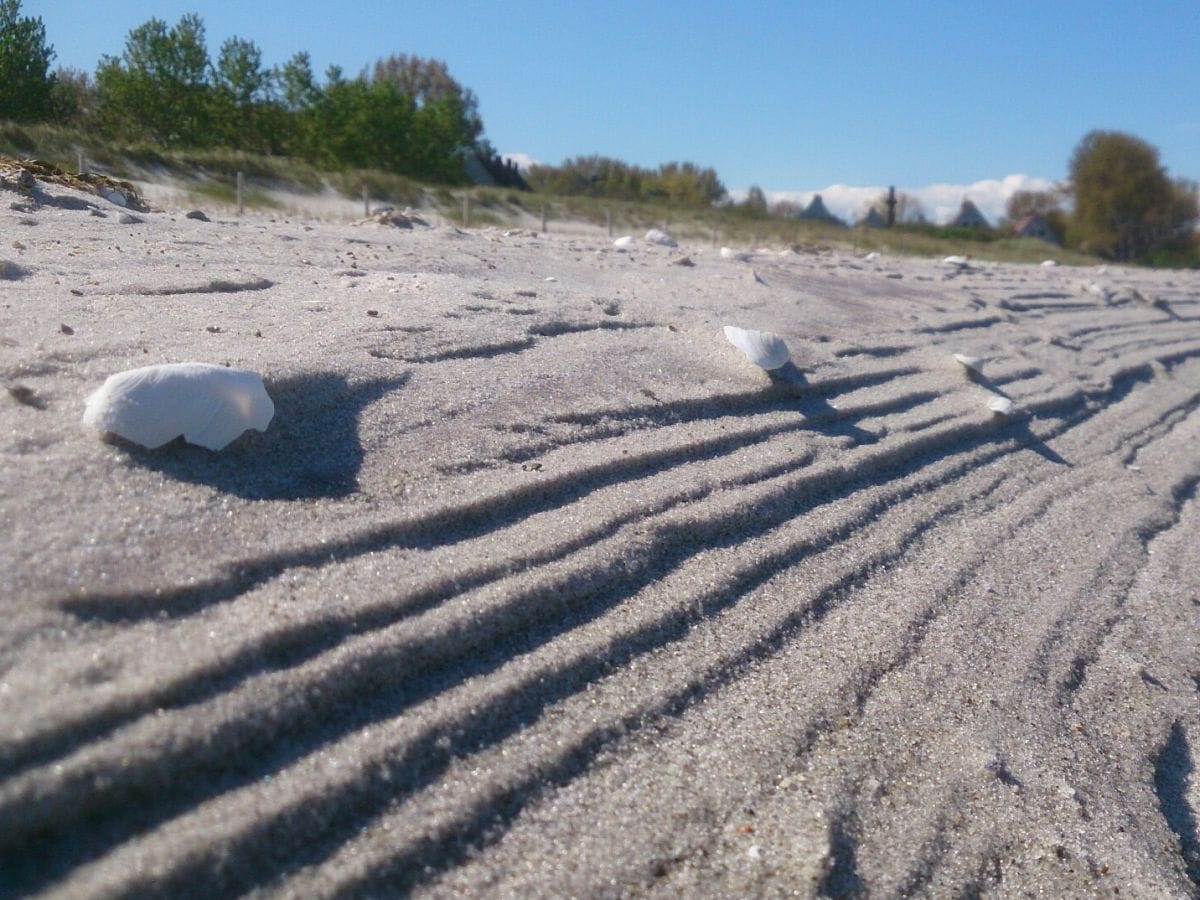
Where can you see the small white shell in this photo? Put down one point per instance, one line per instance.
(112, 195)
(763, 348)
(623, 242)
(1001, 406)
(960, 262)
(970, 363)
(209, 405)
(654, 236)
(730, 253)
(871, 257)
(1049, 263)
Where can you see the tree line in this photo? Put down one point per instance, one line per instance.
(678, 184)
(405, 115)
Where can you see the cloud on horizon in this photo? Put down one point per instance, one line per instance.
(941, 201)
(523, 160)
(848, 202)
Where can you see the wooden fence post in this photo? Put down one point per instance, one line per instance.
(366, 201)
(79, 159)
(241, 192)
(544, 231)
(466, 210)
(608, 217)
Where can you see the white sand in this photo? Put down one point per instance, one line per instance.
(536, 587)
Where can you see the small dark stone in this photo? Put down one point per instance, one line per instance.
(66, 329)
(26, 396)
(198, 216)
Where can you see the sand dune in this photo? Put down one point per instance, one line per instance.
(535, 586)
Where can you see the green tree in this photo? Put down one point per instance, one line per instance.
(685, 184)
(428, 81)
(72, 96)
(241, 91)
(1126, 206)
(26, 87)
(159, 87)
(755, 203)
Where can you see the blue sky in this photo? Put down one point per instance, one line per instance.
(939, 98)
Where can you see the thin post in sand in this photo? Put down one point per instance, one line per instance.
(544, 231)
(608, 219)
(79, 160)
(466, 211)
(241, 192)
(366, 201)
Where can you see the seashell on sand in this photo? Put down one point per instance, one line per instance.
(208, 405)
(1049, 263)
(958, 262)
(970, 363)
(763, 348)
(657, 236)
(624, 242)
(1001, 406)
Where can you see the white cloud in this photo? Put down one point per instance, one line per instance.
(941, 201)
(523, 160)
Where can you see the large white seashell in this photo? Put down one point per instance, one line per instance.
(209, 405)
(623, 242)
(1049, 263)
(970, 363)
(655, 236)
(1001, 406)
(763, 348)
(959, 262)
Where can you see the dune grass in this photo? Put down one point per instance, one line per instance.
(211, 175)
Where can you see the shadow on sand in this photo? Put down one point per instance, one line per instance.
(311, 449)
(788, 379)
(1018, 423)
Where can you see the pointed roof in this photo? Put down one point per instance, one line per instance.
(873, 219)
(816, 210)
(969, 216)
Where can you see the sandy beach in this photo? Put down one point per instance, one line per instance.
(536, 587)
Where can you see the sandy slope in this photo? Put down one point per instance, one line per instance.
(535, 587)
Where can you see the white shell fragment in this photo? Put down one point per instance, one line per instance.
(624, 242)
(655, 236)
(763, 348)
(970, 363)
(872, 256)
(1001, 406)
(730, 253)
(208, 405)
(1049, 263)
(958, 262)
(112, 195)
